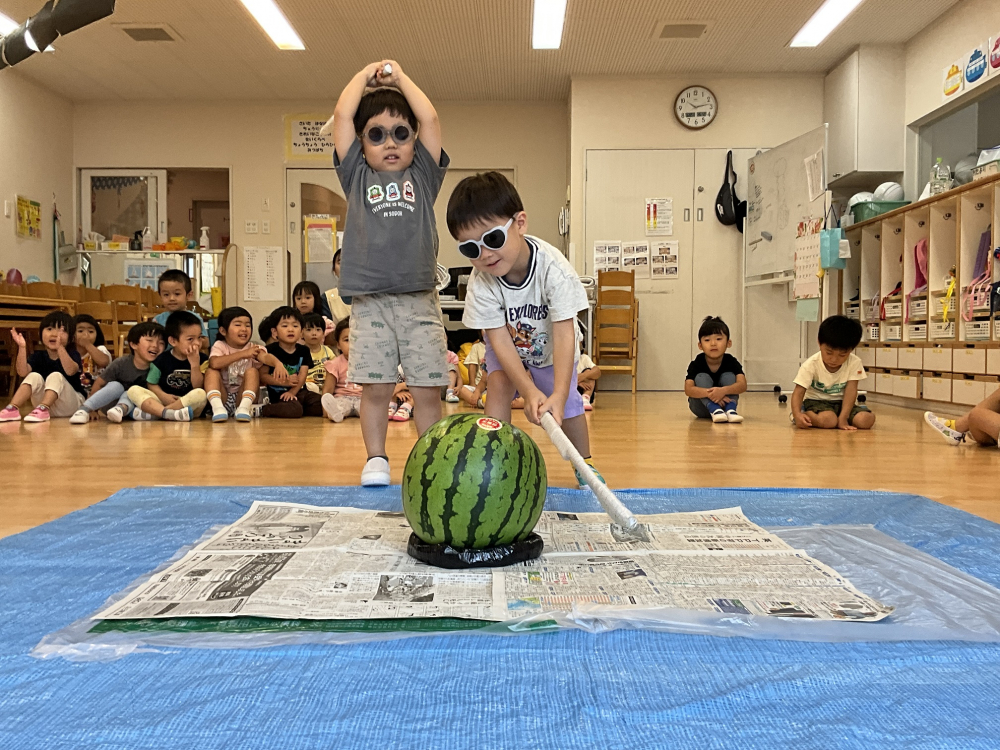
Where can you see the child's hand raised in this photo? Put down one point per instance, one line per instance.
(392, 79)
(63, 338)
(18, 338)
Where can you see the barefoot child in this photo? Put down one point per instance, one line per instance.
(51, 377)
(234, 367)
(391, 165)
(526, 295)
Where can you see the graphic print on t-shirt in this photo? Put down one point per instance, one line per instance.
(392, 192)
(530, 344)
(408, 192)
(179, 380)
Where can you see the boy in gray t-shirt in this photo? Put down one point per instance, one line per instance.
(391, 165)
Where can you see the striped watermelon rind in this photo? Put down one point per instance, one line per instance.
(474, 482)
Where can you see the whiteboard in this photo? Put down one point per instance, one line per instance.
(778, 200)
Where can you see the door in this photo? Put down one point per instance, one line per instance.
(618, 182)
(311, 193)
(718, 249)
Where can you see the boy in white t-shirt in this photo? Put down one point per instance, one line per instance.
(526, 296)
(826, 388)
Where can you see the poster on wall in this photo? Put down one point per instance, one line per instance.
(664, 260)
(954, 80)
(29, 218)
(143, 272)
(304, 144)
(994, 59)
(659, 217)
(263, 274)
(635, 257)
(976, 66)
(807, 257)
(321, 230)
(607, 255)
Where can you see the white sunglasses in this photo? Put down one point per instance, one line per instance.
(493, 239)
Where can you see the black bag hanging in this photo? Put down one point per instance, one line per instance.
(726, 200)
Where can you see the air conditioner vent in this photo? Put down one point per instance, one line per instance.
(150, 32)
(672, 30)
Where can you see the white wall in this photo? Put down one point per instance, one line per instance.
(248, 140)
(949, 37)
(638, 113)
(36, 161)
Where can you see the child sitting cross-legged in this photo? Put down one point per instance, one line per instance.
(826, 388)
(174, 383)
(88, 338)
(234, 367)
(146, 342)
(313, 335)
(526, 295)
(285, 377)
(715, 378)
(51, 377)
(341, 398)
(475, 396)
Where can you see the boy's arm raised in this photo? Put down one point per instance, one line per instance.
(427, 117)
(343, 115)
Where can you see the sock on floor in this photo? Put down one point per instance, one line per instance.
(215, 399)
(178, 415)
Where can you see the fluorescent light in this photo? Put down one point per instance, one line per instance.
(273, 22)
(7, 25)
(547, 24)
(830, 15)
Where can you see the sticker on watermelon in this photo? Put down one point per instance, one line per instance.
(487, 423)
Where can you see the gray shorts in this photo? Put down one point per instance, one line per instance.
(389, 330)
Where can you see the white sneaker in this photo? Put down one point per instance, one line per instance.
(450, 397)
(115, 414)
(82, 416)
(732, 417)
(719, 416)
(376, 473)
(952, 437)
(331, 408)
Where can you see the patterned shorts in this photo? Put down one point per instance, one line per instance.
(388, 330)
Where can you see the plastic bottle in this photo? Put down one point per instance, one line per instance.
(940, 177)
(147, 239)
(205, 242)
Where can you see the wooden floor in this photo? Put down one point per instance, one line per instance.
(648, 440)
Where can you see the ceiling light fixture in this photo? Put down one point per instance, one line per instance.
(270, 18)
(829, 16)
(547, 24)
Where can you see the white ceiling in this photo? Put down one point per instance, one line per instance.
(455, 49)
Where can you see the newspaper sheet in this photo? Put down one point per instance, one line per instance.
(290, 561)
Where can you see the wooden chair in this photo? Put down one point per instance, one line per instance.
(90, 294)
(121, 293)
(105, 313)
(129, 309)
(150, 298)
(44, 289)
(15, 290)
(74, 293)
(616, 324)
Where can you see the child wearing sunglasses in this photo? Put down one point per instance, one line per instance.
(391, 165)
(526, 295)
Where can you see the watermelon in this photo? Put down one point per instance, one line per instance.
(473, 482)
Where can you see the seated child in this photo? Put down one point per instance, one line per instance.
(474, 362)
(88, 338)
(51, 377)
(313, 334)
(341, 398)
(265, 331)
(476, 396)
(982, 424)
(401, 403)
(826, 388)
(175, 291)
(285, 378)
(307, 300)
(715, 378)
(526, 295)
(338, 308)
(174, 383)
(146, 342)
(454, 379)
(234, 367)
(587, 375)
